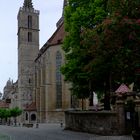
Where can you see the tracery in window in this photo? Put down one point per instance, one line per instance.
(58, 80)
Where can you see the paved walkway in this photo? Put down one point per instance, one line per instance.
(50, 132)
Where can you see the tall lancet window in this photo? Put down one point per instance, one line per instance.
(29, 37)
(58, 80)
(29, 21)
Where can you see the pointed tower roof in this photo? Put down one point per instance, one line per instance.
(122, 89)
(61, 20)
(65, 3)
(27, 4)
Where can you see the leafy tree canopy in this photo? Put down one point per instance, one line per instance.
(80, 15)
(15, 112)
(102, 44)
(6, 113)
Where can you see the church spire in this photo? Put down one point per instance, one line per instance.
(61, 20)
(65, 3)
(27, 4)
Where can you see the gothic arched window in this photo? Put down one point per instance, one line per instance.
(58, 80)
(29, 21)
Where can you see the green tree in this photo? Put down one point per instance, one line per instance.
(117, 50)
(79, 16)
(15, 112)
(115, 55)
(8, 113)
(5, 114)
(2, 114)
(101, 45)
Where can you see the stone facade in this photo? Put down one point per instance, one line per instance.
(52, 93)
(28, 48)
(122, 121)
(103, 123)
(10, 95)
(46, 82)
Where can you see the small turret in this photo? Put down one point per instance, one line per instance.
(65, 3)
(9, 83)
(28, 4)
(61, 20)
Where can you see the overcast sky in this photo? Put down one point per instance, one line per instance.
(50, 12)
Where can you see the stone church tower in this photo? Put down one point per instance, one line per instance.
(28, 48)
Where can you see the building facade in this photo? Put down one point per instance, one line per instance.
(43, 93)
(52, 92)
(40, 91)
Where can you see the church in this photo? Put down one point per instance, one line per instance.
(40, 91)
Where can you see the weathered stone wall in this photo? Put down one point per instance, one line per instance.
(103, 123)
(46, 87)
(28, 48)
(55, 116)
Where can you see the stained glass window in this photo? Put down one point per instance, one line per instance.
(58, 80)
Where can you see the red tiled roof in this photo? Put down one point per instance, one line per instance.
(122, 89)
(4, 104)
(31, 107)
(58, 36)
(55, 39)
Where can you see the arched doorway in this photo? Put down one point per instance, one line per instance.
(33, 117)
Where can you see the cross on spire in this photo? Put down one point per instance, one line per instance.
(27, 4)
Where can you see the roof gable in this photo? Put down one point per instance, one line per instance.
(58, 36)
(56, 39)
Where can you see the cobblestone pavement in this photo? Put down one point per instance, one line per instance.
(50, 132)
